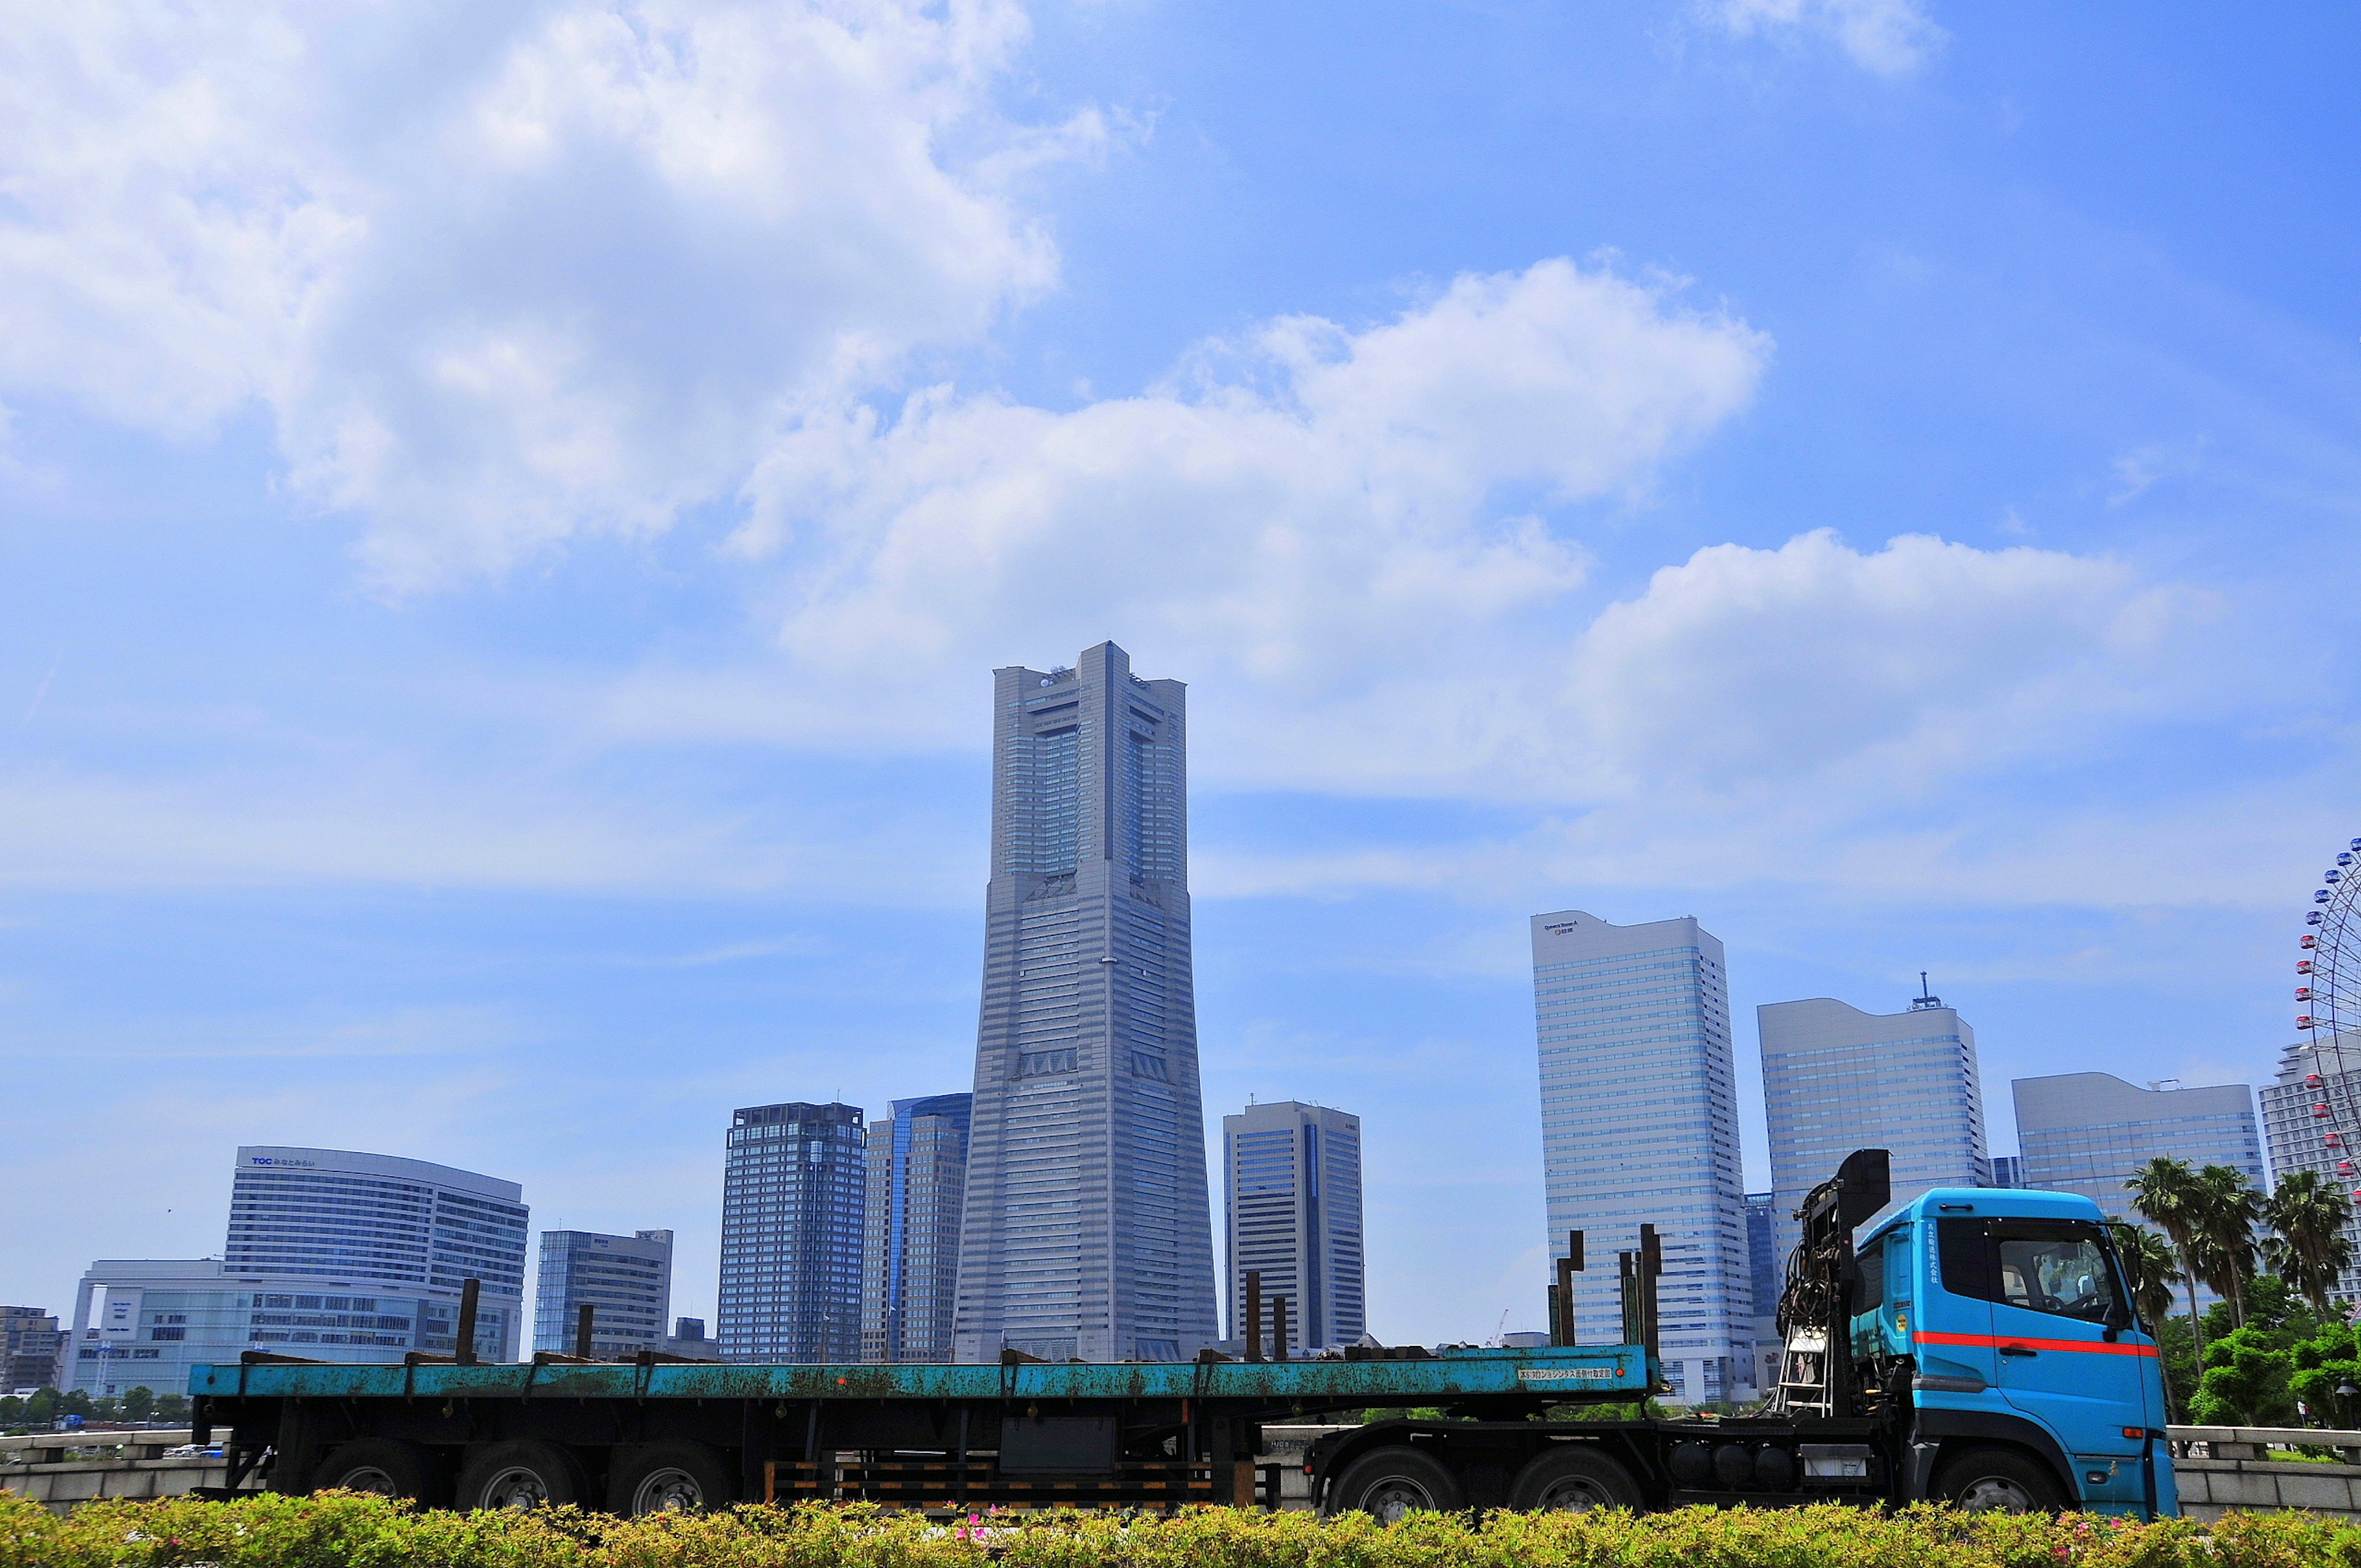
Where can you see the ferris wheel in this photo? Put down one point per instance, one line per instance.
(2328, 1001)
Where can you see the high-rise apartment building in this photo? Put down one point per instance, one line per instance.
(1292, 1175)
(917, 1183)
(30, 1339)
(2090, 1132)
(626, 1281)
(1640, 1126)
(1087, 1232)
(791, 1182)
(380, 1224)
(2309, 1077)
(1836, 1079)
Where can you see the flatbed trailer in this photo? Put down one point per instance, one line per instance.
(634, 1436)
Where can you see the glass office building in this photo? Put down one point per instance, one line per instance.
(1292, 1190)
(373, 1222)
(144, 1322)
(1640, 1126)
(792, 1189)
(1087, 1230)
(1836, 1079)
(626, 1281)
(2299, 1136)
(2090, 1132)
(918, 1184)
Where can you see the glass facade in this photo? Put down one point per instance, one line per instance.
(792, 1183)
(2089, 1131)
(2299, 1136)
(1640, 1126)
(1293, 1176)
(1087, 1230)
(917, 1183)
(355, 1220)
(145, 1323)
(1836, 1079)
(626, 1281)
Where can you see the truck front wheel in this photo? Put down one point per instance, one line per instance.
(1395, 1482)
(1997, 1481)
(1574, 1480)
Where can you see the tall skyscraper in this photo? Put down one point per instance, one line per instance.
(2089, 1131)
(1836, 1079)
(792, 1186)
(1087, 1230)
(362, 1220)
(2298, 1138)
(1293, 1204)
(917, 1182)
(1640, 1124)
(2008, 1171)
(626, 1281)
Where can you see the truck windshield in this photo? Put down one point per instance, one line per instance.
(2052, 1269)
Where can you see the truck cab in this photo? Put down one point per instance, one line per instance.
(2004, 1316)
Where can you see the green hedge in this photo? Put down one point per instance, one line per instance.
(346, 1532)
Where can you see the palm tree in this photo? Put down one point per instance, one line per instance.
(2148, 1262)
(2148, 1268)
(2307, 1247)
(2164, 1192)
(2229, 1210)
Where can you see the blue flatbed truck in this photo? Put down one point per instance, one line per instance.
(1978, 1346)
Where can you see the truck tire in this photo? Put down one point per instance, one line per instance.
(684, 1475)
(1997, 1481)
(386, 1466)
(520, 1473)
(1393, 1483)
(1571, 1479)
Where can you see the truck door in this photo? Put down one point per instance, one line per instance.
(1953, 1337)
(2062, 1357)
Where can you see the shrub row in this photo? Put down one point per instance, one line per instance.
(348, 1531)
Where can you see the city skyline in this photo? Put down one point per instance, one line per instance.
(2064, 1108)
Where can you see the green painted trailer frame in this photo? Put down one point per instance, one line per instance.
(1021, 1432)
(1558, 1373)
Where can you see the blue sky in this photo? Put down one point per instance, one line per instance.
(506, 519)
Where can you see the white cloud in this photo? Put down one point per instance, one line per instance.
(1889, 37)
(501, 276)
(1311, 509)
(1334, 535)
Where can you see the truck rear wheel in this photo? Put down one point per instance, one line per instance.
(1997, 1481)
(1569, 1479)
(520, 1473)
(682, 1475)
(384, 1465)
(1395, 1482)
